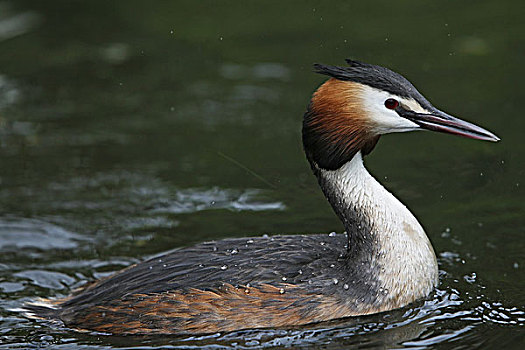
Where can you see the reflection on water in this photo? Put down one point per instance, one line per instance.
(9, 94)
(127, 130)
(194, 200)
(13, 24)
(46, 279)
(20, 233)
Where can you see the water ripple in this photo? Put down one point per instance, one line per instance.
(194, 200)
(15, 24)
(46, 279)
(19, 233)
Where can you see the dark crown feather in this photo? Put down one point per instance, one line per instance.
(374, 76)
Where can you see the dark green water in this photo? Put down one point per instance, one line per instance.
(126, 129)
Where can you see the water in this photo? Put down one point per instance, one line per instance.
(127, 130)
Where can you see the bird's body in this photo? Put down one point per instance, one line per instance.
(385, 260)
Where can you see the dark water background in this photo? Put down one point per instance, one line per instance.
(129, 128)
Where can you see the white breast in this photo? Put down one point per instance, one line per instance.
(407, 259)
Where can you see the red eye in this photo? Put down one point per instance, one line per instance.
(391, 103)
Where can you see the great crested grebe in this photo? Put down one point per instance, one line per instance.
(385, 260)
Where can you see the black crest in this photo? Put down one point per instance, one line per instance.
(374, 76)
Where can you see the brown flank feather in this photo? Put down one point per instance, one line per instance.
(227, 309)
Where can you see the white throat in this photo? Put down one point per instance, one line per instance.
(382, 232)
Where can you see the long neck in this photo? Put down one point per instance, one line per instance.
(381, 231)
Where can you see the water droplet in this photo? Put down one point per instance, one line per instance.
(281, 291)
(335, 280)
(470, 278)
(345, 286)
(332, 234)
(224, 267)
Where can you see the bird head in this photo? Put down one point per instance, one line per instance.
(361, 102)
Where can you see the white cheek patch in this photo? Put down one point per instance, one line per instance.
(382, 119)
